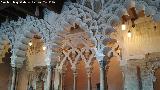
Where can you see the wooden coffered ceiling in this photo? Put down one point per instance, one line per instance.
(12, 10)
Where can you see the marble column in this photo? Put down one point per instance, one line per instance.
(75, 81)
(89, 81)
(14, 74)
(103, 80)
(62, 81)
(49, 75)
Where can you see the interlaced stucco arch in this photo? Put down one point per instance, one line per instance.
(23, 37)
(98, 32)
(83, 16)
(69, 19)
(111, 15)
(99, 27)
(74, 16)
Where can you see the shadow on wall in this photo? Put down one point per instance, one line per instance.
(5, 71)
(115, 77)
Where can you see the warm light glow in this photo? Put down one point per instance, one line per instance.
(30, 43)
(44, 48)
(123, 27)
(129, 34)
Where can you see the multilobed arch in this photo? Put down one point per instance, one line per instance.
(21, 46)
(83, 16)
(71, 18)
(112, 16)
(116, 11)
(74, 22)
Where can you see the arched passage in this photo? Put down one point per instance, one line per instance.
(28, 53)
(95, 26)
(5, 54)
(131, 11)
(35, 54)
(75, 47)
(5, 71)
(157, 82)
(68, 78)
(114, 74)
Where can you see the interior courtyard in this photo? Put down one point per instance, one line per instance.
(80, 45)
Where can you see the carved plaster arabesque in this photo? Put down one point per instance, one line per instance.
(94, 27)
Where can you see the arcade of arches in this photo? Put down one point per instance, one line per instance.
(91, 45)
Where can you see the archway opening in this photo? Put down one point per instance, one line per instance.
(76, 49)
(5, 60)
(95, 76)
(82, 76)
(138, 31)
(157, 82)
(35, 58)
(68, 78)
(5, 71)
(115, 76)
(36, 52)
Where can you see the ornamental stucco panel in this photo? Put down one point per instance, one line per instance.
(100, 27)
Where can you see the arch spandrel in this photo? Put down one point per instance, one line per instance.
(73, 40)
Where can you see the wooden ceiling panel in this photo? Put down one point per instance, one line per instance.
(13, 10)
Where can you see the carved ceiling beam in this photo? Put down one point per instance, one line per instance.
(11, 12)
(46, 5)
(1, 15)
(23, 9)
(3, 6)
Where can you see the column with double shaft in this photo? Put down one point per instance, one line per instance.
(49, 77)
(103, 76)
(13, 81)
(102, 55)
(74, 69)
(50, 64)
(16, 66)
(102, 67)
(89, 72)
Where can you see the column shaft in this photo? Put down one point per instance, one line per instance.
(103, 80)
(13, 84)
(89, 82)
(49, 77)
(74, 81)
(62, 82)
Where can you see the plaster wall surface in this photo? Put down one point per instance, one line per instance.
(4, 76)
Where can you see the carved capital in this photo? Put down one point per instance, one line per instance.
(89, 71)
(49, 67)
(75, 74)
(14, 69)
(103, 64)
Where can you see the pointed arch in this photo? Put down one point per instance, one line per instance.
(21, 46)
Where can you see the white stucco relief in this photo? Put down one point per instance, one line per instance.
(98, 27)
